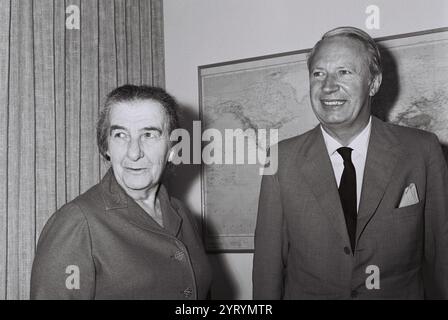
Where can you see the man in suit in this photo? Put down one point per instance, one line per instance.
(358, 208)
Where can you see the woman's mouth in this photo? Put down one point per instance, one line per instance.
(135, 170)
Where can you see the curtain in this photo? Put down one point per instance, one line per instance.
(53, 80)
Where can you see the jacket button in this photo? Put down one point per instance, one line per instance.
(187, 292)
(354, 294)
(179, 256)
(347, 250)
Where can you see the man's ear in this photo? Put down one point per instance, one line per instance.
(375, 84)
(171, 154)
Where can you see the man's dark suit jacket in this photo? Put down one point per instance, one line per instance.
(301, 241)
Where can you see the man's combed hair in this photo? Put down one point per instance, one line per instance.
(359, 35)
(129, 93)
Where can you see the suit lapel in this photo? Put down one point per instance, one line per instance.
(172, 222)
(382, 157)
(319, 175)
(171, 219)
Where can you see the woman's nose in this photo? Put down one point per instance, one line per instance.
(134, 150)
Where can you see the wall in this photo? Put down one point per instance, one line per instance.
(199, 32)
(52, 83)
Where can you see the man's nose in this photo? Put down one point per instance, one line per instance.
(134, 150)
(330, 84)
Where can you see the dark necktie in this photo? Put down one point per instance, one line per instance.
(347, 193)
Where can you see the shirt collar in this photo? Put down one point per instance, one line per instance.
(359, 144)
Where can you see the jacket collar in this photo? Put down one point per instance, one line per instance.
(117, 201)
(113, 195)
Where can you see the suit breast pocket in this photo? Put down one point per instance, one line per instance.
(399, 237)
(408, 211)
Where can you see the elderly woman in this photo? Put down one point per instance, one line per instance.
(125, 238)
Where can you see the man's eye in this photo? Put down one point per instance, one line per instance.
(120, 135)
(318, 73)
(345, 72)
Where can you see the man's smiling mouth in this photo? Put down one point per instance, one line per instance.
(333, 103)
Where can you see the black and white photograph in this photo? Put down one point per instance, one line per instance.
(241, 151)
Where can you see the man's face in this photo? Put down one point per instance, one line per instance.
(340, 84)
(138, 144)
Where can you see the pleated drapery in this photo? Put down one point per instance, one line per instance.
(52, 83)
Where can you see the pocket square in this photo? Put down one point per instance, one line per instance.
(409, 196)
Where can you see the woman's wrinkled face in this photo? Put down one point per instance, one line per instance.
(138, 144)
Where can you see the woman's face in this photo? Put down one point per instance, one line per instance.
(138, 144)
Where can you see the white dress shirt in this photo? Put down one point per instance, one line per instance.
(359, 154)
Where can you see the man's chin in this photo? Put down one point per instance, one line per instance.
(334, 121)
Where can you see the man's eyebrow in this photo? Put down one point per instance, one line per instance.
(347, 65)
(116, 127)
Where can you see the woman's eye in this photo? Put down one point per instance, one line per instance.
(151, 134)
(345, 72)
(317, 73)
